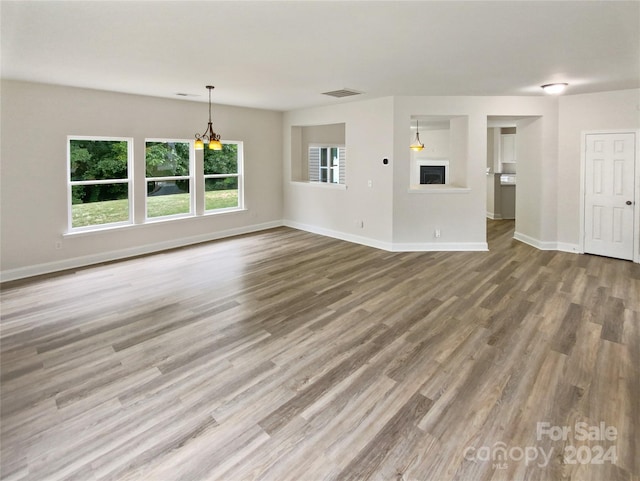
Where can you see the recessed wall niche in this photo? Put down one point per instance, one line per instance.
(445, 140)
(326, 136)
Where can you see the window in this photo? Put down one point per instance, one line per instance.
(313, 154)
(99, 181)
(222, 177)
(168, 176)
(326, 164)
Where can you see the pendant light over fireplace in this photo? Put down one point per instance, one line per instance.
(417, 146)
(209, 135)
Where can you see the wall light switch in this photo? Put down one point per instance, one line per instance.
(370, 183)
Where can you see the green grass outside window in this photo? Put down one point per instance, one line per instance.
(107, 212)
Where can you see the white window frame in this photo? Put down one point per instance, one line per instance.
(190, 178)
(239, 175)
(72, 183)
(331, 170)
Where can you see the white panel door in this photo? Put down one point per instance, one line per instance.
(609, 194)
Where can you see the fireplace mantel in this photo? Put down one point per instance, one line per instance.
(437, 189)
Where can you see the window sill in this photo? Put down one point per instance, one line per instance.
(148, 222)
(230, 210)
(98, 229)
(438, 189)
(322, 185)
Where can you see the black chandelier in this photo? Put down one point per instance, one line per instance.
(209, 135)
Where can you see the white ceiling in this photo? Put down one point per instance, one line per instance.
(283, 55)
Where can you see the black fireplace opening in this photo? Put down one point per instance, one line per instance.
(432, 174)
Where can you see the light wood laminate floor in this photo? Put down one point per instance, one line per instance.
(284, 355)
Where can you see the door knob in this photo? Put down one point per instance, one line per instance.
(629, 202)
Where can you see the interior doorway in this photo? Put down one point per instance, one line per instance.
(534, 209)
(501, 168)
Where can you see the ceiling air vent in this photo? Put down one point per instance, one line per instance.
(342, 93)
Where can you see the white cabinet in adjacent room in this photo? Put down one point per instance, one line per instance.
(508, 153)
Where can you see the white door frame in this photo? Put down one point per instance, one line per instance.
(636, 184)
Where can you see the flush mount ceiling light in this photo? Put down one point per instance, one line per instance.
(209, 135)
(417, 146)
(555, 89)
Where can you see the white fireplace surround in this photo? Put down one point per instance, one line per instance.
(415, 172)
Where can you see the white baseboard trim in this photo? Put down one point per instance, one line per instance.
(546, 245)
(356, 239)
(440, 246)
(77, 262)
(538, 244)
(567, 247)
(389, 246)
(493, 216)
